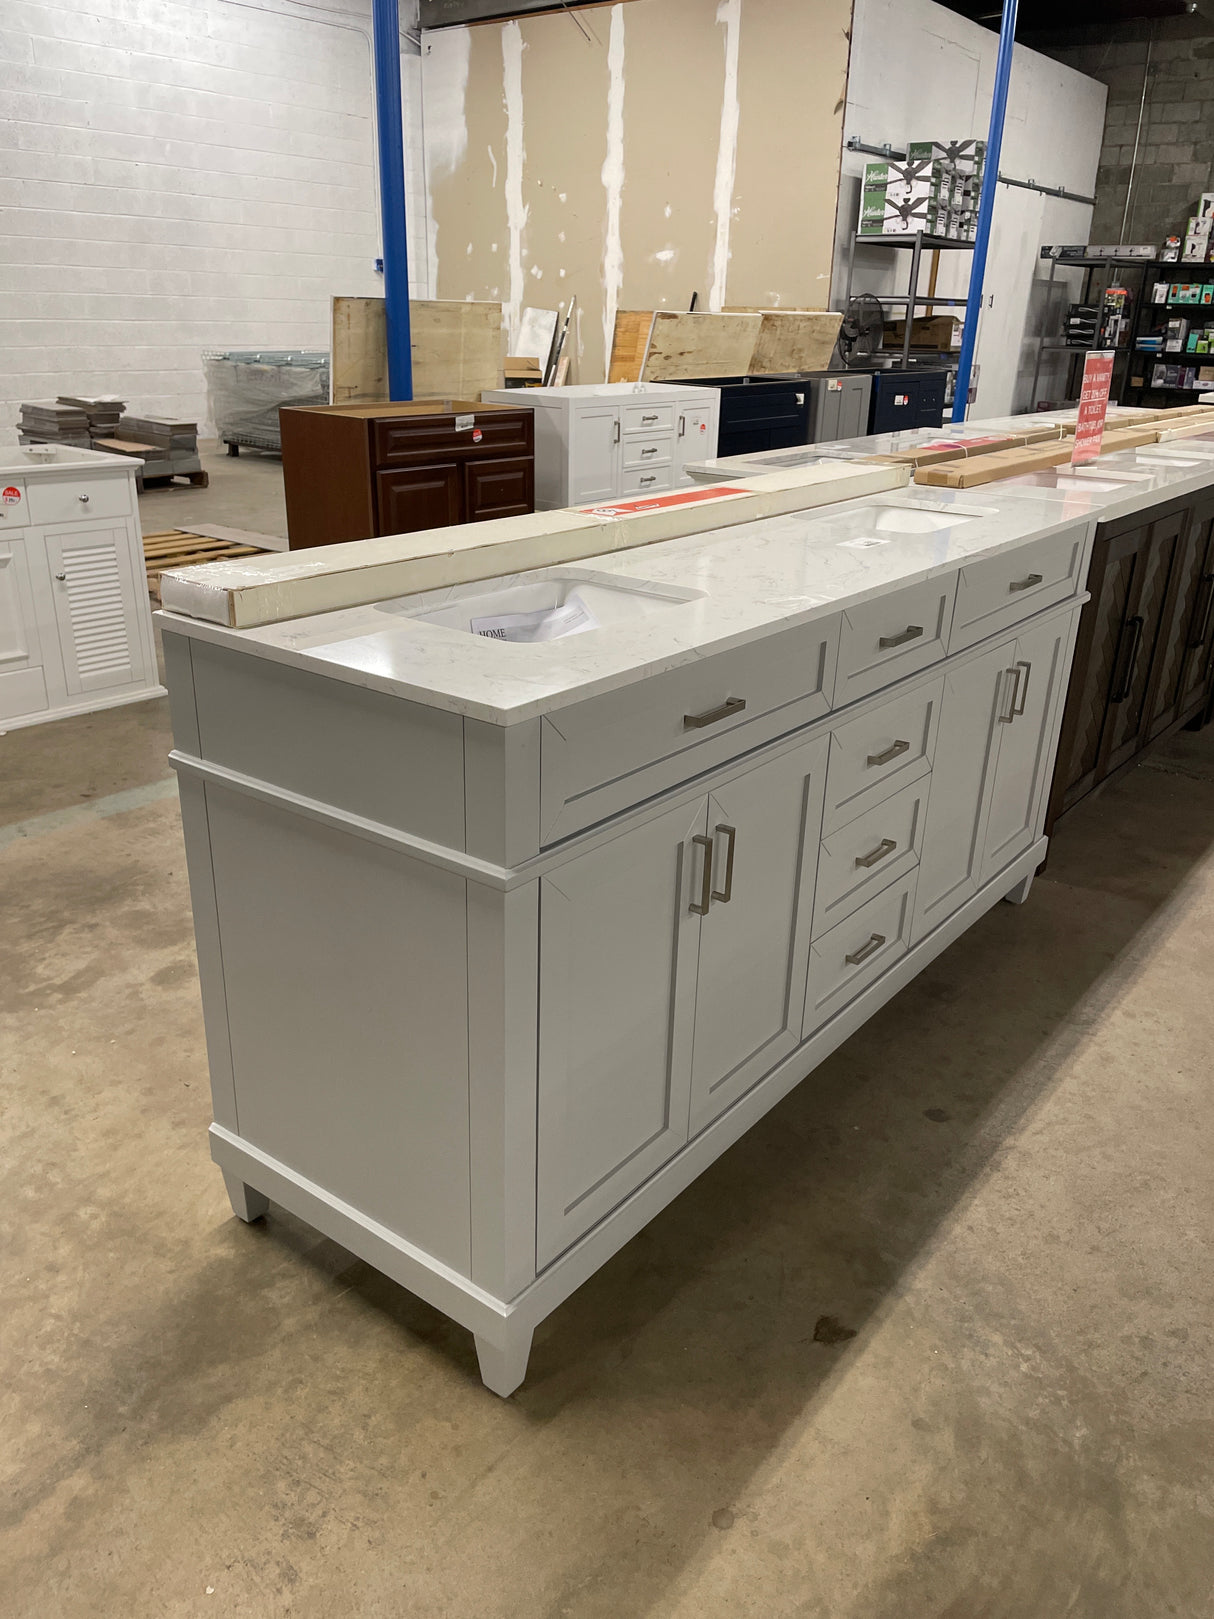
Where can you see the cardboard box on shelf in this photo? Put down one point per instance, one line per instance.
(941, 333)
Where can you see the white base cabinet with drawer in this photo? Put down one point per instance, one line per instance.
(597, 442)
(593, 946)
(75, 622)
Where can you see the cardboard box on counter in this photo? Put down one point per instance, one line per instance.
(961, 449)
(1034, 458)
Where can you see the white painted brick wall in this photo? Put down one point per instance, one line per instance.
(180, 175)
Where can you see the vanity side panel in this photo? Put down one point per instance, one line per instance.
(345, 972)
(380, 757)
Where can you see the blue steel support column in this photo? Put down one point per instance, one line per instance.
(986, 209)
(386, 33)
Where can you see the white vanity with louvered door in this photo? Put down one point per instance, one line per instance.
(75, 621)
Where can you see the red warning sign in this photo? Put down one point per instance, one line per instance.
(657, 503)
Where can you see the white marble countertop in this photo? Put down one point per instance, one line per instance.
(714, 590)
(17, 461)
(745, 582)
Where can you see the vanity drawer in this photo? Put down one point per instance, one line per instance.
(868, 854)
(646, 480)
(610, 752)
(647, 418)
(887, 639)
(855, 954)
(998, 592)
(647, 452)
(79, 499)
(881, 751)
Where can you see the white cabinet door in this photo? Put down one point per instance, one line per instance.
(594, 454)
(618, 942)
(754, 942)
(22, 686)
(967, 750)
(695, 440)
(1032, 687)
(97, 603)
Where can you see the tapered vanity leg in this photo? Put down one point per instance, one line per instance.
(504, 1368)
(247, 1203)
(1018, 895)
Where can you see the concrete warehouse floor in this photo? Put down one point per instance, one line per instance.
(934, 1341)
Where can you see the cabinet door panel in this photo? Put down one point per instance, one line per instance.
(1184, 616)
(1138, 643)
(1114, 581)
(97, 602)
(22, 686)
(1026, 743)
(695, 440)
(750, 992)
(967, 748)
(498, 489)
(1195, 626)
(413, 498)
(618, 944)
(594, 455)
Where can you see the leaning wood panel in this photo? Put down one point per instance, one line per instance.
(628, 345)
(801, 340)
(684, 347)
(359, 358)
(457, 349)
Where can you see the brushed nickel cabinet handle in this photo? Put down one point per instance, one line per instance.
(652, 450)
(892, 752)
(1022, 692)
(1006, 719)
(645, 420)
(697, 722)
(1026, 584)
(652, 478)
(886, 846)
(616, 439)
(83, 499)
(875, 942)
(726, 894)
(911, 633)
(706, 877)
(61, 577)
(682, 425)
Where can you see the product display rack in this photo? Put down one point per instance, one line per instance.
(1138, 391)
(913, 299)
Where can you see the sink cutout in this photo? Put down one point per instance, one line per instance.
(543, 606)
(924, 519)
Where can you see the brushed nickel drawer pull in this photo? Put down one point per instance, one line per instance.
(911, 633)
(1006, 719)
(886, 846)
(706, 878)
(726, 894)
(875, 942)
(652, 450)
(1022, 692)
(645, 420)
(697, 722)
(892, 752)
(1026, 584)
(652, 478)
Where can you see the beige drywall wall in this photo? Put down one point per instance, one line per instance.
(633, 154)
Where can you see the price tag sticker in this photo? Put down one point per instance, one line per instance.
(465, 424)
(11, 496)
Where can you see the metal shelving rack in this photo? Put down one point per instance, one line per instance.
(912, 298)
(1121, 372)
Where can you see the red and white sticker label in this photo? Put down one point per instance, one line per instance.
(477, 435)
(658, 503)
(1093, 405)
(11, 496)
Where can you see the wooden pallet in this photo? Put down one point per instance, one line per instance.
(178, 548)
(172, 480)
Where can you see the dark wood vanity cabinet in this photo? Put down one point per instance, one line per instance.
(1144, 659)
(353, 471)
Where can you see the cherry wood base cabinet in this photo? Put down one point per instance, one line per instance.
(354, 471)
(1144, 659)
(482, 998)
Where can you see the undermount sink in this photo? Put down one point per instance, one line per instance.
(545, 606)
(925, 519)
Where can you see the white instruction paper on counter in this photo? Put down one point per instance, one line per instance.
(545, 624)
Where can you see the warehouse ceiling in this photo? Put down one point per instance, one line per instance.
(1085, 21)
